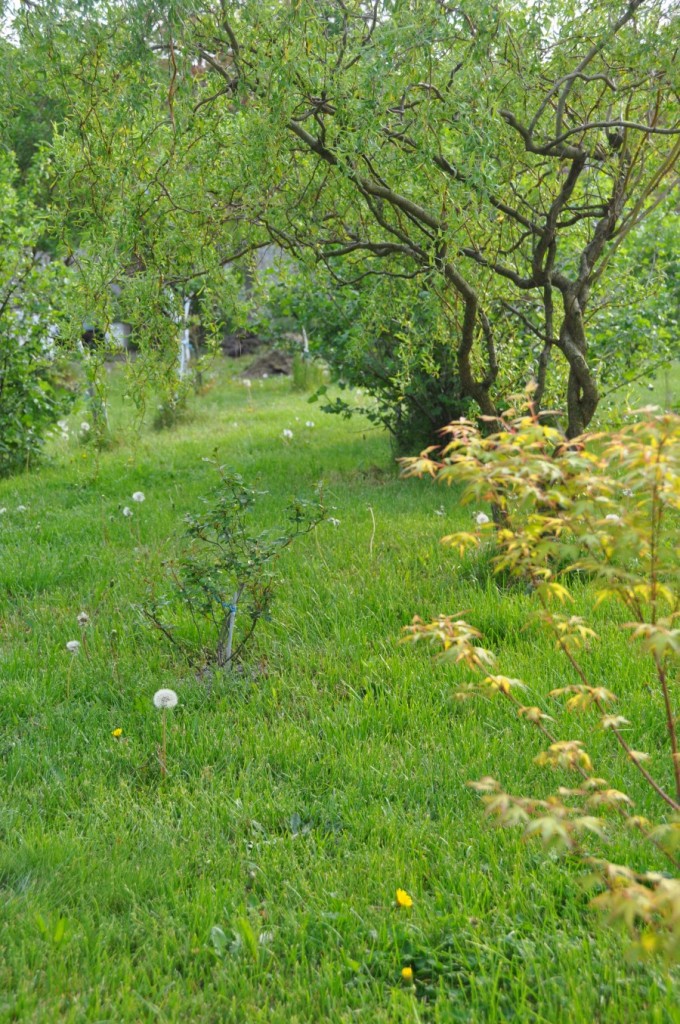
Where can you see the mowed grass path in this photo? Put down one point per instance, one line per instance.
(257, 883)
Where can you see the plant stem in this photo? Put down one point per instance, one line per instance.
(164, 765)
(670, 721)
(232, 620)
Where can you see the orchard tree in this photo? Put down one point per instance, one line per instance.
(498, 152)
(501, 151)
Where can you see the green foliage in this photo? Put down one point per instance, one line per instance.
(387, 338)
(604, 508)
(225, 567)
(495, 156)
(32, 393)
(634, 329)
(32, 397)
(308, 373)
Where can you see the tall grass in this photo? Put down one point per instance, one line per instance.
(257, 881)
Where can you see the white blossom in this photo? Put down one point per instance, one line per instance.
(138, 496)
(21, 508)
(333, 522)
(286, 434)
(73, 646)
(165, 699)
(310, 424)
(482, 519)
(613, 518)
(127, 512)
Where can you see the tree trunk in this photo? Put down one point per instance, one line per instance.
(582, 393)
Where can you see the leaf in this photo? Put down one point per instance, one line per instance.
(249, 938)
(218, 940)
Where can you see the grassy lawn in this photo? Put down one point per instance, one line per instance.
(257, 882)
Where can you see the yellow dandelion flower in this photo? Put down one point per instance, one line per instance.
(407, 973)
(117, 733)
(403, 898)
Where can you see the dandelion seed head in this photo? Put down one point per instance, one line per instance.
(481, 519)
(286, 434)
(310, 424)
(83, 619)
(165, 699)
(127, 512)
(73, 646)
(138, 496)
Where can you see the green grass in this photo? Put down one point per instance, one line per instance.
(257, 883)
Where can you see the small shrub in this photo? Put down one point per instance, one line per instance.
(607, 507)
(226, 572)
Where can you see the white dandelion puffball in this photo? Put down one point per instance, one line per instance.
(83, 619)
(309, 423)
(73, 646)
(22, 508)
(333, 521)
(482, 519)
(138, 496)
(247, 383)
(127, 512)
(613, 518)
(84, 426)
(2, 511)
(287, 435)
(165, 699)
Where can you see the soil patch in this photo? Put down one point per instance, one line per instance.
(271, 364)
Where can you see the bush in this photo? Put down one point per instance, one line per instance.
(387, 337)
(226, 571)
(605, 508)
(31, 398)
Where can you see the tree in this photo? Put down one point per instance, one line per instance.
(499, 153)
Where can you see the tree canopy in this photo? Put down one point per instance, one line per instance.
(499, 154)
